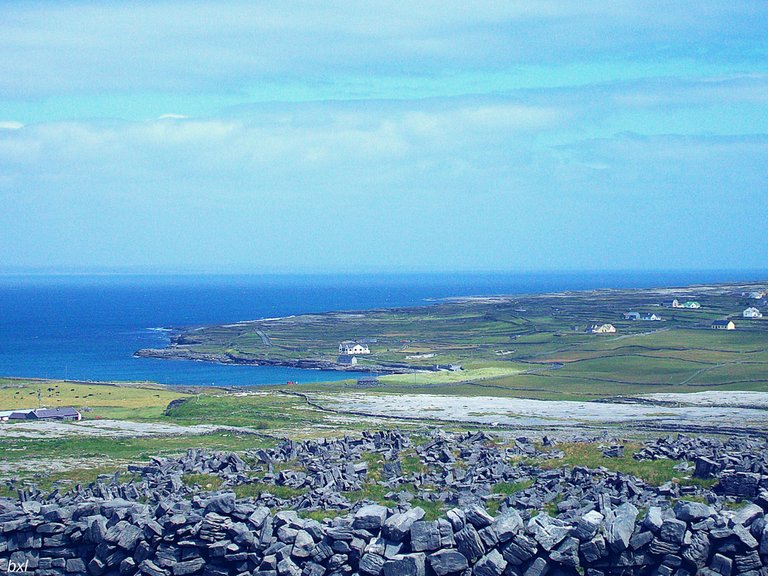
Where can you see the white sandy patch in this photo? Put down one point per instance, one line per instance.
(714, 398)
(107, 428)
(524, 412)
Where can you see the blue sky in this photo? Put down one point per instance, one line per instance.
(351, 136)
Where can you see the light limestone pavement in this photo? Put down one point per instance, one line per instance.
(732, 409)
(106, 428)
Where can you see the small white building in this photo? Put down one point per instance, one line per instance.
(600, 328)
(691, 304)
(675, 303)
(723, 325)
(752, 312)
(350, 348)
(631, 315)
(652, 317)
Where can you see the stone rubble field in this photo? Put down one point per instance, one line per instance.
(562, 520)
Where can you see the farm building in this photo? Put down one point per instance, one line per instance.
(691, 304)
(752, 313)
(651, 317)
(351, 347)
(631, 315)
(600, 328)
(67, 413)
(5, 415)
(347, 359)
(723, 325)
(671, 303)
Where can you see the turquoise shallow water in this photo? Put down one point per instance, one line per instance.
(87, 327)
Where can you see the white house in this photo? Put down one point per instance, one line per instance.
(652, 317)
(752, 313)
(723, 325)
(631, 315)
(671, 303)
(600, 328)
(691, 304)
(350, 348)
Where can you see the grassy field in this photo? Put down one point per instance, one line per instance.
(527, 346)
(99, 449)
(511, 344)
(132, 402)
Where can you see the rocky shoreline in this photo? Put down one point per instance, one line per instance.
(179, 353)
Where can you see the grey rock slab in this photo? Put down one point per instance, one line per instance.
(692, 511)
(371, 564)
(370, 517)
(492, 564)
(653, 519)
(673, 530)
(587, 526)
(397, 526)
(303, 545)
(567, 553)
(187, 567)
(151, 569)
(721, 564)
(425, 536)
(697, 551)
(445, 562)
(468, 542)
(747, 514)
(594, 549)
(478, 516)
(406, 565)
(538, 567)
(547, 531)
(519, 550)
(507, 525)
(619, 526)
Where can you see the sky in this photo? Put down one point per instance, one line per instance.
(383, 136)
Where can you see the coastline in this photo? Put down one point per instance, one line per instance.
(175, 353)
(307, 341)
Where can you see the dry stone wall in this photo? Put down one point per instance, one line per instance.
(607, 523)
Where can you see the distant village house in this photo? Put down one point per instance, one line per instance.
(752, 313)
(691, 304)
(637, 316)
(671, 303)
(347, 359)
(723, 325)
(651, 318)
(352, 347)
(600, 328)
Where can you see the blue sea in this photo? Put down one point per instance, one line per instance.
(87, 327)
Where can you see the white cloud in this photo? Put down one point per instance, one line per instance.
(51, 47)
(10, 125)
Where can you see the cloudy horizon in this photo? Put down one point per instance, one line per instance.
(347, 137)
